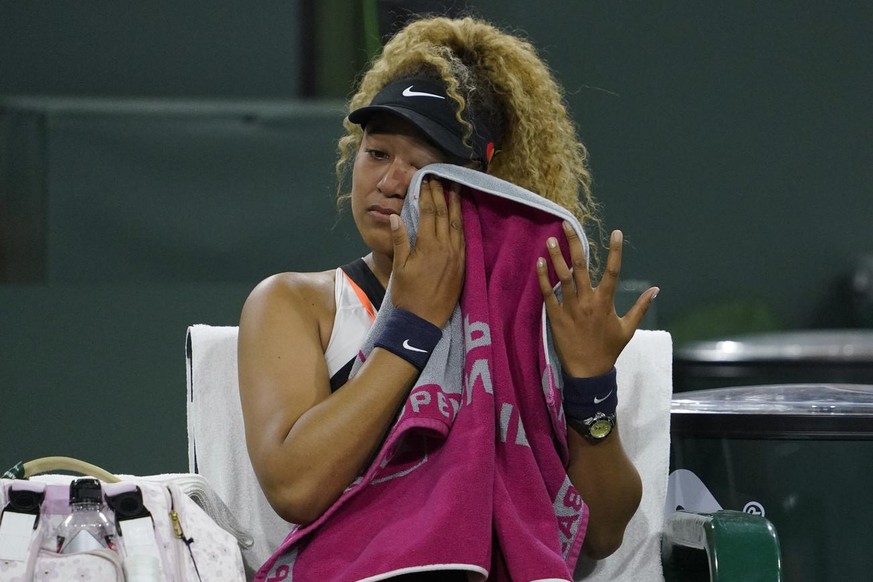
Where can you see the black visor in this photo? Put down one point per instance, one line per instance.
(425, 104)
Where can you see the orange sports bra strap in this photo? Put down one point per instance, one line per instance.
(362, 297)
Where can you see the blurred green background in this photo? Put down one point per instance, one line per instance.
(157, 160)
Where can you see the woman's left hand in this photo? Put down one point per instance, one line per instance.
(588, 333)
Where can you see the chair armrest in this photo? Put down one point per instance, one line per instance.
(726, 546)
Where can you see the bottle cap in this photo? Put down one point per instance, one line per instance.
(85, 489)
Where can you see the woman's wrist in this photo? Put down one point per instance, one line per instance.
(587, 369)
(585, 397)
(410, 337)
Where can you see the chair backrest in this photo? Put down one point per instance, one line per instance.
(216, 438)
(217, 450)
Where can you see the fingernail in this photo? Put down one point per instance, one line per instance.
(552, 242)
(541, 263)
(616, 236)
(655, 294)
(394, 220)
(567, 225)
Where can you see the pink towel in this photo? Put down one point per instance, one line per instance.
(472, 474)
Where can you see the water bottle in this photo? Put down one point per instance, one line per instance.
(86, 528)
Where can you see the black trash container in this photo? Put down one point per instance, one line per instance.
(827, 356)
(800, 454)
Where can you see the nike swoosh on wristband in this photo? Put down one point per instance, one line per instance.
(408, 92)
(599, 400)
(412, 348)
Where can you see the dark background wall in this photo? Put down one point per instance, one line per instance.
(730, 141)
(224, 48)
(157, 160)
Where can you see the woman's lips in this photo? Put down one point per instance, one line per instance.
(380, 213)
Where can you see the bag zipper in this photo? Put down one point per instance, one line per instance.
(171, 546)
(180, 534)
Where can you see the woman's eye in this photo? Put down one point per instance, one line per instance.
(377, 154)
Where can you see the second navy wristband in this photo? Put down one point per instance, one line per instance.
(585, 397)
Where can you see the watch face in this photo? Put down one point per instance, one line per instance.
(600, 428)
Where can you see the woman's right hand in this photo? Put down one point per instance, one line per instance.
(427, 280)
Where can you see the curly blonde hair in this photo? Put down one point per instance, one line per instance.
(504, 84)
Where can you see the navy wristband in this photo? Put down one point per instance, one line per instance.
(584, 397)
(410, 337)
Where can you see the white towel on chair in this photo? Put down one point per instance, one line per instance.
(216, 439)
(645, 388)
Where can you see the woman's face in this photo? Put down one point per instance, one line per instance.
(391, 151)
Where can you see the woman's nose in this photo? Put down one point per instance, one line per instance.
(395, 181)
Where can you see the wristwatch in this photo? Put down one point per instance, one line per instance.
(594, 427)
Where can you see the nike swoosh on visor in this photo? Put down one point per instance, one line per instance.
(408, 92)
